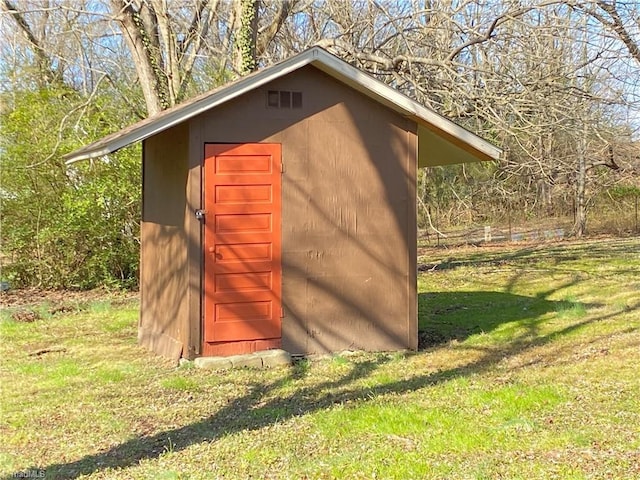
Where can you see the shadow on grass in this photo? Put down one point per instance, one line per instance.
(259, 408)
(548, 255)
(446, 316)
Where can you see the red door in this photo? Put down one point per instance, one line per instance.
(242, 242)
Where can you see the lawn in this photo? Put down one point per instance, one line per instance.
(528, 369)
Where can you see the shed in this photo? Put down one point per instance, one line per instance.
(279, 211)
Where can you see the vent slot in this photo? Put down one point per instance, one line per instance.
(273, 99)
(284, 99)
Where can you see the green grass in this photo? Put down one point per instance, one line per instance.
(529, 369)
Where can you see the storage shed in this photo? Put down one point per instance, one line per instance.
(279, 211)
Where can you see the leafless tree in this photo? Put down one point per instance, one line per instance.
(551, 80)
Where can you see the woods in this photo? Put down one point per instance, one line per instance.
(553, 82)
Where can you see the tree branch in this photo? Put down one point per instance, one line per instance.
(266, 34)
(499, 20)
(617, 25)
(196, 34)
(45, 65)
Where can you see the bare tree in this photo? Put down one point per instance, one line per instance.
(545, 78)
(166, 46)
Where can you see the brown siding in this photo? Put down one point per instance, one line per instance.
(410, 162)
(349, 223)
(194, 238)
(164, 269)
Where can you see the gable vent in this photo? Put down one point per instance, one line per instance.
(284, 99)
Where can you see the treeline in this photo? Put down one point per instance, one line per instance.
(552, 82)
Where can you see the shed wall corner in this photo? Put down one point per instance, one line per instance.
(164, 319)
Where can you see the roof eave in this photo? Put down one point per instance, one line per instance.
(179, 114)
(324, 61)
(402, 104)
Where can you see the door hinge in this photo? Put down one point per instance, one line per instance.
(281, 167)
(281, 312)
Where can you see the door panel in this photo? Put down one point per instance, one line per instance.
(234, 282)
(243, 223)
(243, 194)
(244, 164)
(252, 252)
(242, 242)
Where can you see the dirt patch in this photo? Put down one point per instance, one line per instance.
(429, 339)
(26, 315)
(60, 301)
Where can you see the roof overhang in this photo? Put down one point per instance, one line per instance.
(440, 141)
(435, 149)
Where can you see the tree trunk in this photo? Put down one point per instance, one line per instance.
(581, 187)
(146, 56)
(246, 36)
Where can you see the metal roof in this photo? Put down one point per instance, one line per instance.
(440, 141)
